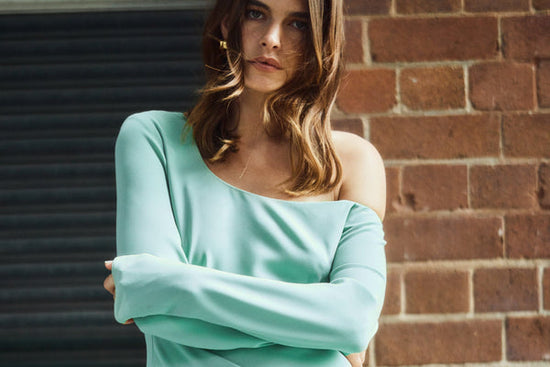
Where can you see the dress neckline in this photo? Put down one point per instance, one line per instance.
(208, 173)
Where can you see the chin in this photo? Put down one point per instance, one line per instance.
(264, 88)
(262, 83)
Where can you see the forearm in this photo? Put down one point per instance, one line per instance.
(197, 333)
(341, 315)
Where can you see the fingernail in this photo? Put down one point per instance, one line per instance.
(108, 262)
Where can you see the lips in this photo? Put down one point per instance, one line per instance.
(266, 62)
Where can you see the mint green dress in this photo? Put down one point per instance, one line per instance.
(217, 276)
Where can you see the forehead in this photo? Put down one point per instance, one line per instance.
(289, 6)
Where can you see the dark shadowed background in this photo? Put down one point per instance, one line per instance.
(67, 82)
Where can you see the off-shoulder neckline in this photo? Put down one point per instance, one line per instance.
(208, 172)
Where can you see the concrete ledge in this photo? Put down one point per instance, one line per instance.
(68, 6)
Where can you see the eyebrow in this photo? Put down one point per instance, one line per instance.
(296, 14)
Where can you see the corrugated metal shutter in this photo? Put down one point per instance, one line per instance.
(67, 81)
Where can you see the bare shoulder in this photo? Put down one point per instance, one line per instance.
(364, 177)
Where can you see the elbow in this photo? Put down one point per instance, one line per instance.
(121, 312)
(359, 338)
(362, 320)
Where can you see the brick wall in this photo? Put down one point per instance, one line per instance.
(455, 94)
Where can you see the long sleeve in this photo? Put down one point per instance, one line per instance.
(145, 224)
(340, 315)
(197, 333)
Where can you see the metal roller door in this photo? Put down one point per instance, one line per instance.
(67, 81)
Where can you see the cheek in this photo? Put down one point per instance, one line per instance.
(245, 38)
(295, 51)
(295, 42)
(251, 34)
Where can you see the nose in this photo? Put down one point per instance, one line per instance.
(272, 37)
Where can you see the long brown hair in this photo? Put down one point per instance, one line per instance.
(300, 109)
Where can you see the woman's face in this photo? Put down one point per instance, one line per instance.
(273, 37)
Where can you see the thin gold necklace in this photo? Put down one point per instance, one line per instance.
(249, 155)
(245, 166)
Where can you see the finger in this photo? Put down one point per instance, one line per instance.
(109, 264)
(109, 284)
(128, 322)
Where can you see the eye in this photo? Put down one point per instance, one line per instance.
(299, 25)
(254, 14)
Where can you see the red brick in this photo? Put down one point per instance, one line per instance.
(354, 41)
(393, 201)
(546, 288)
(499, 5)
(503, 186)
(431, 39)
(502, 86)
(432, 88)
(436, 137)
(427, 6)
(392, 302)
(396, 249)
(526, 38)
(528, 236)
(354, 126)
(414, 238)
(528, 338)
(369, 90)
(526, 135)
(364, 7)
(544, 186)
(512, 289)
(439, 342)
(543, 83)
(541, 4)
(437, 291)
(435, 187)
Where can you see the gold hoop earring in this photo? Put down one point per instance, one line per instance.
(223, 45)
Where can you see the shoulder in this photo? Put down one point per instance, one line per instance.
(364, 178)
(152, 120)
(151, 125)
(151, 129)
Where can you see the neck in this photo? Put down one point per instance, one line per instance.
(250, 127)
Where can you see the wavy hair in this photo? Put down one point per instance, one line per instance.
(299, 110)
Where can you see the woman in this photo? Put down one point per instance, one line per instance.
(248, 233)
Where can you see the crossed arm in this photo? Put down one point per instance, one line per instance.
(340, 315)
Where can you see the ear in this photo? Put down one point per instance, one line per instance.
(225, 30)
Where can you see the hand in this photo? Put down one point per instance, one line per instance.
(109, 285)
(356, 359)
